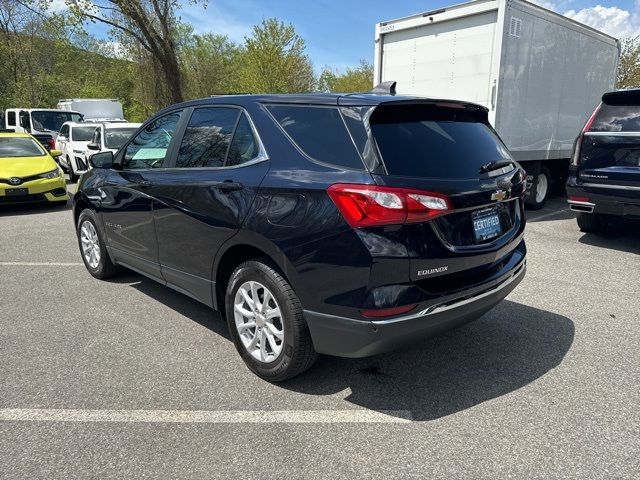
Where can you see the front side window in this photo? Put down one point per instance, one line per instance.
(149, 148)
(207, 138)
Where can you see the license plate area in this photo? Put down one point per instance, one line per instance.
(486, 224)
(16, 192)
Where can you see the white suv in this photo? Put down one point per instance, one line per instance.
(72, 141)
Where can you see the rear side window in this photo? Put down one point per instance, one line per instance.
(617, 118)
(11, 119)
(206, 141)
(319, 132)
(244, 147)
(431, 141)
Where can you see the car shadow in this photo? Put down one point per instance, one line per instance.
(621, 235)
(177, 301)
(30, 208)
(506, 349)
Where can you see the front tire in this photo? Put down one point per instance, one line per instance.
(591, 222)
(92, 247)
(266, 322)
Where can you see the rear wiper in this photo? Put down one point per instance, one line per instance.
(495, 165)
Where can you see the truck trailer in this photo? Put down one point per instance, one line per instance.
(94, 109)
(539, 73)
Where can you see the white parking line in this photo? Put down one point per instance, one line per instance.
(40, 264)
(205, 416)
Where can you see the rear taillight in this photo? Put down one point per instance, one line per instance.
(51, 144)
(575, 157)
(371, 205)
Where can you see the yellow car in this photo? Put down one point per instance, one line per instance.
(28, 173)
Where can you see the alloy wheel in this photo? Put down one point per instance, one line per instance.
(90, 244)
(259, 322)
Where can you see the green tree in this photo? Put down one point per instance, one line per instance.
(629, 66)
(273, 60)
(209, 63)
(153, 24)
(358, 79)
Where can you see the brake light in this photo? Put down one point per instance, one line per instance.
(587, 126)
(373, 205)
(51, 143)
(575, 157)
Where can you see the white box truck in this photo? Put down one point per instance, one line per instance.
(96, 109)
(539, 73)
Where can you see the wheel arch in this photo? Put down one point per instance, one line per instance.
(240, 250)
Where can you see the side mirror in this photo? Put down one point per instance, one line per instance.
(55, 153)
(93, 146)
(101, 160)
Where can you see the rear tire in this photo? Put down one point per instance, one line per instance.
(89, 234)
(591, 222)
(295, 353)
(540, 190)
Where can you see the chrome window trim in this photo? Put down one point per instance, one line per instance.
(604, 185)
(612, 134)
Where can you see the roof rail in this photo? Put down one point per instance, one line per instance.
(385, 88)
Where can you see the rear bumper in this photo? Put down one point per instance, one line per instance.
(616, 200)
(346, 337)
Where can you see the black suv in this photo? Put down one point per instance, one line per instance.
(339, 224)
(604, 177)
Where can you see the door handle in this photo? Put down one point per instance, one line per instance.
(144, 183)
(229, 186)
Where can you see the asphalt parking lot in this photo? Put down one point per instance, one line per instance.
(128, 379)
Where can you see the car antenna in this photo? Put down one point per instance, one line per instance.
(385, 88)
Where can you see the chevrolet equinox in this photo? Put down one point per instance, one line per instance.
(345, 225)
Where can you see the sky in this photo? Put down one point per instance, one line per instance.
(339, 33)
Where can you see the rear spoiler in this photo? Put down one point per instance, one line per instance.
(622, 97)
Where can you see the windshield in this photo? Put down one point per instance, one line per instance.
(82, 134)
(52, 120)
(117, 137)
(19, 147)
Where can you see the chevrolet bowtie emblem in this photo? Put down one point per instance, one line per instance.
(499, 195)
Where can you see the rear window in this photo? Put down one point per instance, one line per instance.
(432, 141)
(617, 118)
(319, 132)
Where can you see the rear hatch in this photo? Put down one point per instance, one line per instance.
(449, 148)
(610, 146)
